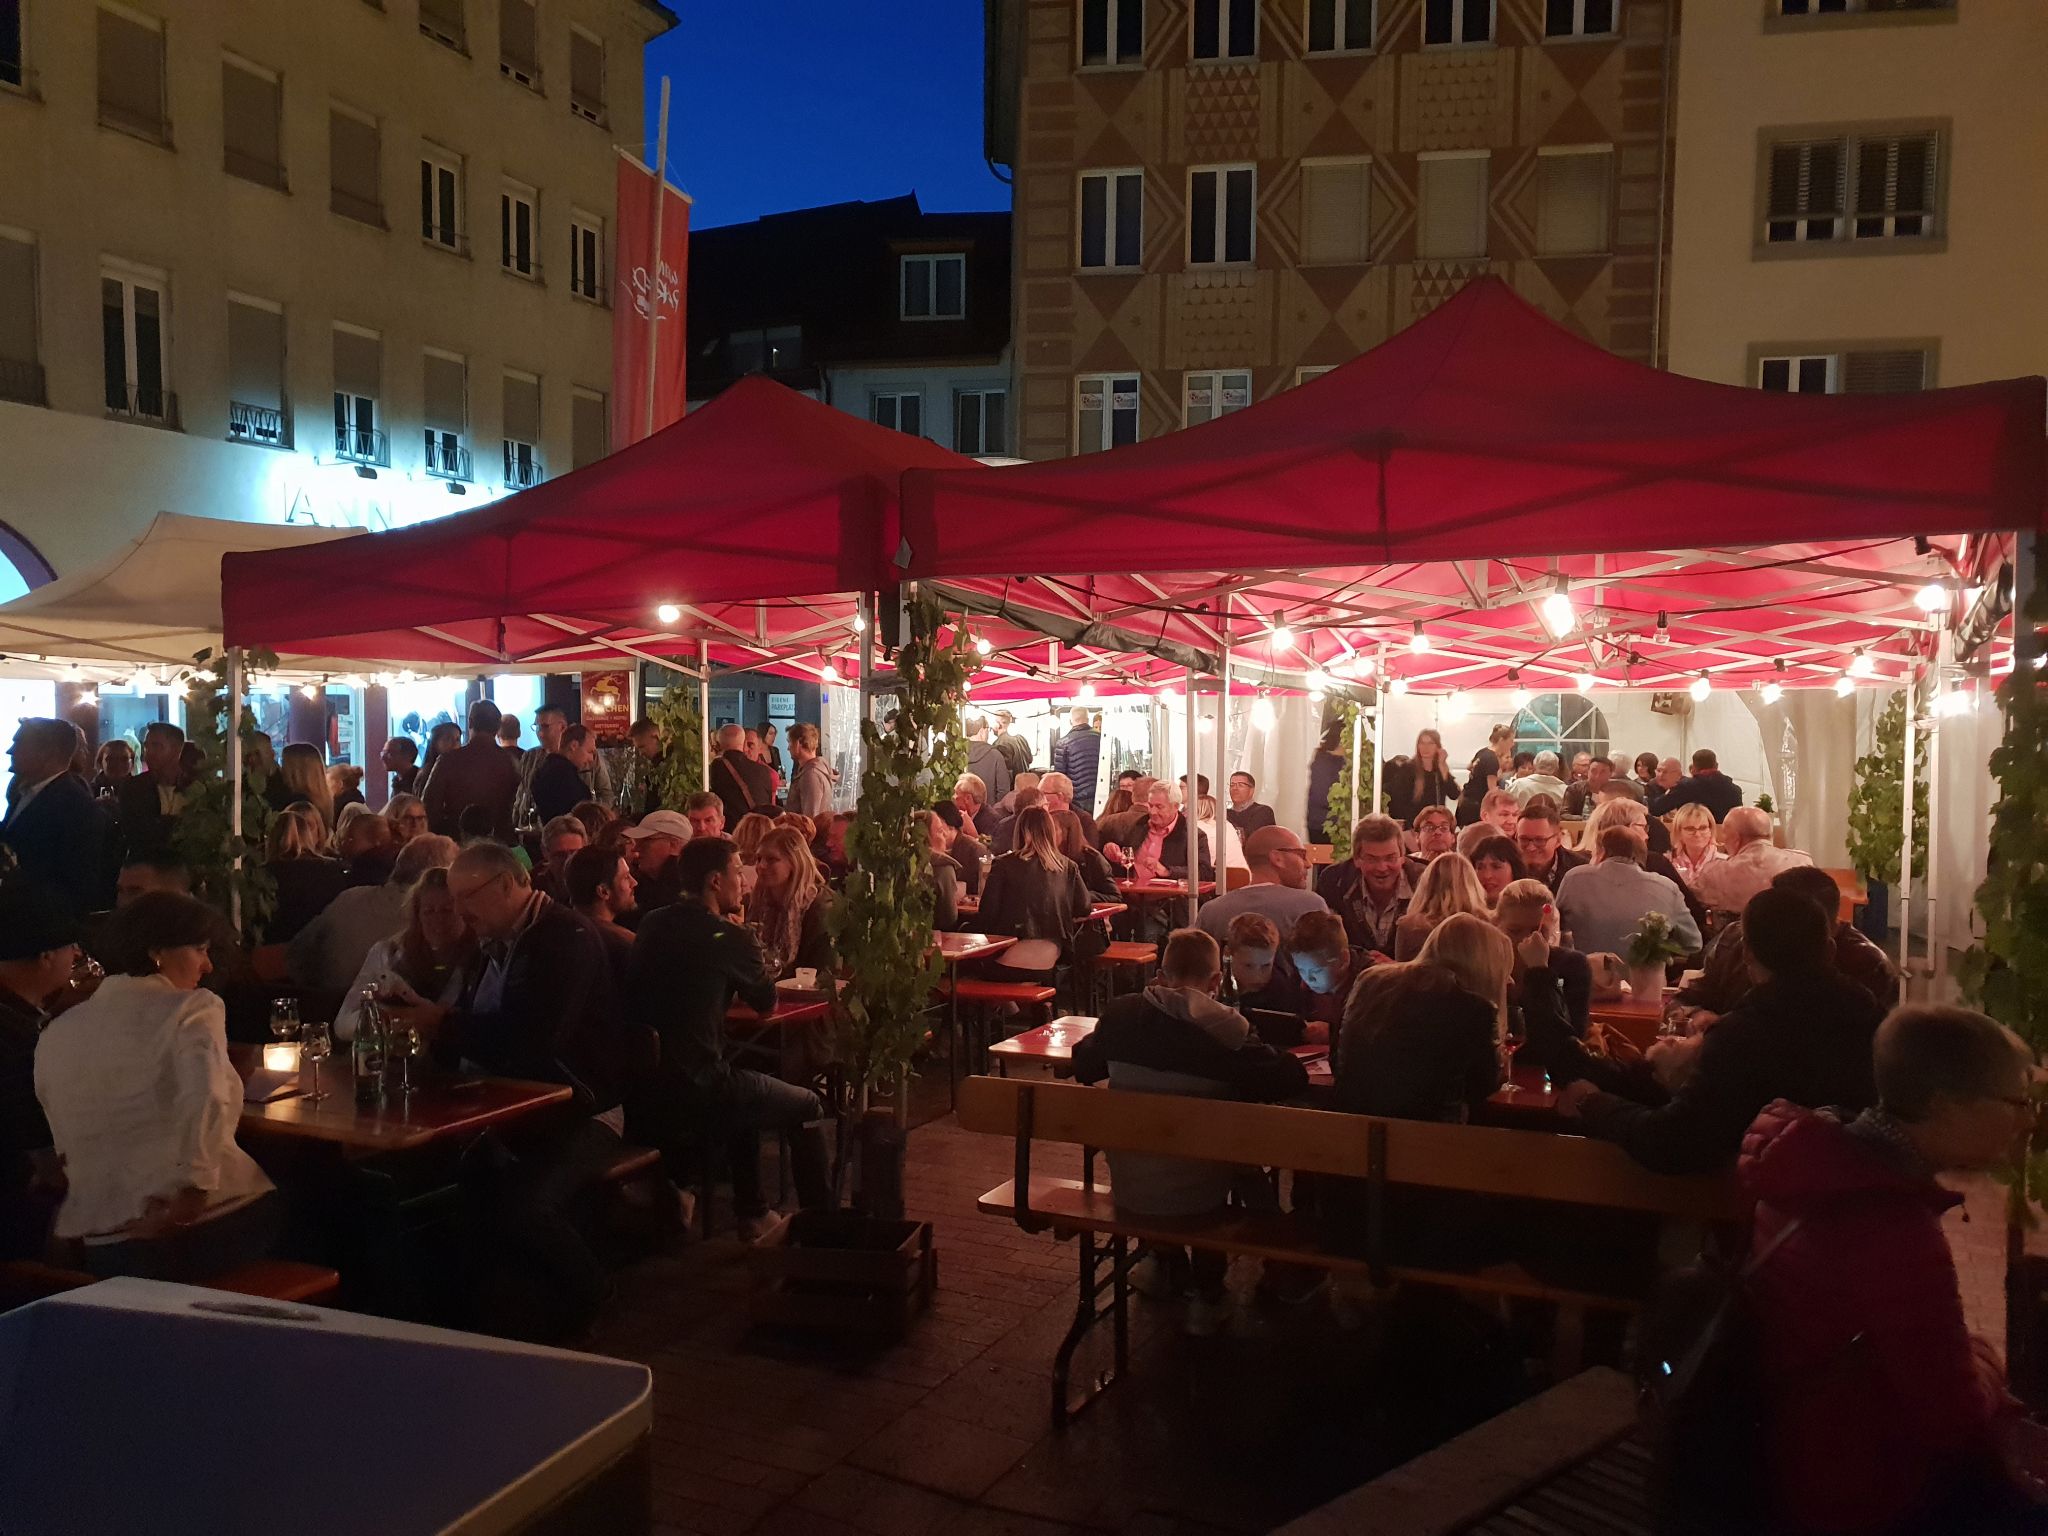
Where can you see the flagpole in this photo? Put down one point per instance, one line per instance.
(654, 306)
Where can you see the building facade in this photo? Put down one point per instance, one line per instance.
(906, 324)
(339, 261)
(1850, 209)
(1218, 198)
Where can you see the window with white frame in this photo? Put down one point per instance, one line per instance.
(1455, 23)
(522, 429)
(1220, 222)
(1340, 26)
(1226, 29)
(586, 256)
(1572, 199)
(1806, 191)
(979, 421)
(1867, 186)
(1112, 31)
(517, 223)
(1336, 211)
(1894, 186)
(445, 407)
(901, 409)
(1105, 411)
(130, 56)
(1303, 375)
(441, 199)
(1858, 7)
(13, 70)
(1112, 218)
(1581, 18)
(358, 387)
(1860, 371)
(21, 365)
(1205, 396)
(934, 287)
(1451, 224)
(134, 336)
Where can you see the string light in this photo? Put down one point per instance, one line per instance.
(1701, 687)
(141, 681)
(1318, 684)
(1557, 612)
(311, 690)
(1861, 665)
(73, 673)
(1283, 634)
(90, 698)
(829, 672)
(1584, 681)
(860, 622)
(1931, 598)
(982, 646)
(1398, 685)
(1456, 706)
(1086, 692)
(1418, 642)
(405, 675)
(1262, 713)
(668, 613)
(1770, 693)
(1520, 697)
(1959, 700)
(1844, 686)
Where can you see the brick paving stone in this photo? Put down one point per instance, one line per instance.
(936, 1449)
(879, 1505)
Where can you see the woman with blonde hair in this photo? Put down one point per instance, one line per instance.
(1449, 885)
(749, 834)
(1036, 895)
(431, 954)
(304, 775)
(786, 908)
(1694, 841)
(307, 879)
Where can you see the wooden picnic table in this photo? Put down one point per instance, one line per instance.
(808, 1009)
(1050, 1045)
(1101, 911)
(957, 947)
(442, 1107)
(1635, 1022)
(1161, 890)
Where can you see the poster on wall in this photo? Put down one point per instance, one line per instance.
(607, 705)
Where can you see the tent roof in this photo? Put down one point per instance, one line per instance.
(155, 601)
(760, 494)
(1486, 430)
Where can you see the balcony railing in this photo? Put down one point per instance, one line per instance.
(448, 460)
(265, 425)
(522, 467)
(363, 210)
(156, 129)
(150, 403)
(252, 168)
(362, 445)
(22, 382)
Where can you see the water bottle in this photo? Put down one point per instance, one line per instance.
(367, 1054)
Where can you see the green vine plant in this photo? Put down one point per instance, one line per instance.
(1357, 769)
(1876, 804)
(678, 772)
(882, 924)
(225, 866)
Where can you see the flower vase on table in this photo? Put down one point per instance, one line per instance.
(1650, 949)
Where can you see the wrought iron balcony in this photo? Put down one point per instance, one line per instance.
(362, 445)
(447, 459)
(522, 466)
(268, 426)
(149, 403)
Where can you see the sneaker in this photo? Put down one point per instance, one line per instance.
(754, 1228)
(1204, 1318)
(1151, 1277)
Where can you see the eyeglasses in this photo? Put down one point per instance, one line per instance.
(470, 892)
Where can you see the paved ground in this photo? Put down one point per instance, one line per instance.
(948, 1431)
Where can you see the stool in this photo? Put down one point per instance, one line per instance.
(1108, 966)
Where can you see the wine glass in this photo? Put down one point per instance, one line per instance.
(318, 1045)
(410, 1049)
(1509, 1044)
(284, 1018)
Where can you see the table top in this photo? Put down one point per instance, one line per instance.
(1143, 890)
(969, 906)
(807, 1010)
(442, 1107)
(1053, 1043)
(1533, 1096)
(972, 946)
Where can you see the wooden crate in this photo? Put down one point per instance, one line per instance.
(843, 1272)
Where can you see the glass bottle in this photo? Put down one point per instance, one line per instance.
(367, 1054)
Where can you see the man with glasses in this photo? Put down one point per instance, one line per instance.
(656, 844)
(1436, 832)
(1371, 889)
(1540, 840)
(1278, 889)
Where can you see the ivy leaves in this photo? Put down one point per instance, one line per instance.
(1337, 813)
(679, 772)
(1877, 803)
(224, 865)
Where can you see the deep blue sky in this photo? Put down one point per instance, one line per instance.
(780, 104)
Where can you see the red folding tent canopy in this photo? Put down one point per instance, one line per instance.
(748, 515)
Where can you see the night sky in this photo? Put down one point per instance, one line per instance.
(781, 104)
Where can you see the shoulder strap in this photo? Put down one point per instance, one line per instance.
(738, 779)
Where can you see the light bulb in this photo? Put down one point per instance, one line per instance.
(966, 685)
(668, 613)
(1520, 698)
(73, 673)
(141, 681)
(1844, 686)
(1283, 635)
(1418, 642)
(1959, 700)
(860, 622)
(1262, 713)
(1771, 693)
(1168, 694)
(405, 675)
(90, 698)
(311, 690)
(982, 646)
(1398, 685)
(1584, 681)
(1557, 612)
(1085, 692)
(384, 679)
(1931, 598)
(1701, 687)
(1861, 665)
(1204, 724)
(829, 673)
(1362, 666)
(1456, 706)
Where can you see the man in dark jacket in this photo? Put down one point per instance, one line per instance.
(479, 773)
(1540, 837)
(741, 783)
(1727, 980)
(1158, 849)
(1246, 813)
(558, 787)
(1708, 786)
(1804, 1034)
(1371, 890)
(147, 804)
(690, 961)
(53, 826)
(1078, 754)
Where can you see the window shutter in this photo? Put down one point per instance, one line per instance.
(522, 409)
(588, 432)
(353, 151)
(517, 43)
(1571, 203)
(17, 301)
(255, 356)
(131, 73)
(447, 395)
(1453, 224)
(1335, 211)
(443, 18)
(586, 74)
(1884, 373)
(250, 124)
(358, 364)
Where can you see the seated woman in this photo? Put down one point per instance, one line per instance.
(143, 1105)
(936, 839)
(1036, 895)
(961, 845)
(367, 845)
(1260, 981)
(1095, 871)
(1695, 841)
(1321, 953)
(431, 954)
(786, 909)
(1497, 862)
(1448, 886)
(748, 834)
(408, 818)
(295, 853)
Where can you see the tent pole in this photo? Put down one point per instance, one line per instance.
(1221, 783)
(1906, 838)
(1379, 734)
(654, 268)
(704, 709)
(865, 605)
(1937, 951)
(1191, 806)
(1357, 751)
(234, 726)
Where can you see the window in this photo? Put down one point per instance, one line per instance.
(133, 312)
(518, 42)
(1112, 218)
(903, 411)
(21, 369)
(1336, 202)
(586, 256)
(516, 224)
(1572, 200)
(1112, 31)
(1226, 29)
(934, 287)
(586, 75)
(1105, 412)
(355, 184)
(1564, 723)
(441, 199)
(1844, 7)
(1303, 375)
(442, 20)
(1805, 192)
(978, 421)
(779, 346)
(131, 74)
(1449, 23)
(1888, 371)
(447, 416)
(358, 385)
(1452, 224)
(589, 433)
(1895, 187)
(1894, 177)
(256, 407)
(1220, 214)
(252, 118)
(1339, 26)
(522, 431)
(12, 71)
(1209, 395)
(1580, 18)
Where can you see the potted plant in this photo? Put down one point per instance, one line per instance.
(1650, 950)
(1338, 807)
(228, 872)
(1876, 815)
(678, 771)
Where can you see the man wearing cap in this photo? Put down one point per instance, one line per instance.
(1015, 749)
(656, 842)
(38, 949)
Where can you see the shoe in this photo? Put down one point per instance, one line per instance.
(1150, 1277)
(754, 1229)
(1204, 1318)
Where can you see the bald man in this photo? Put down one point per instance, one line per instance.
(1278, 889)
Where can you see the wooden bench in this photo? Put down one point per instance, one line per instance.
(1107, 965)
(24, 1281)
(1526, 1165)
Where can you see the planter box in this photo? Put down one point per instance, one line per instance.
(843, 1272)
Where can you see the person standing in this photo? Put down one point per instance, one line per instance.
(1424, 780)
(148, 804)
(479, 773)
(1078, 754)
(557, 787)
(1015, 749)
(984, 761)
(53, 826)
(1324, 767)
(38, 949)
(400, 757)
(810, 781)
(741, 783)
(1708, 786)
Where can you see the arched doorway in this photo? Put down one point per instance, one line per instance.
(1564, 723)
(22, 566)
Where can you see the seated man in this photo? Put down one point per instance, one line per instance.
(970, 794)
(656, 846)
(1436, 832)
(1371, 890)
(1803, 1034)
(1543, 781)
(1727, 980)
(599, 887)
(1540, 839)
(163, 870)
(1526, 907)
(1501, 811)
(1278, 889)
(690, 960)
(1246, 813)
(1159, 848)
(705, 814)
(560, 840)
(1322, 955)
(1752, 863)
(38, 951)
(1262, 979)
(1175, 1037)
(1603, 903)
(1058, 792)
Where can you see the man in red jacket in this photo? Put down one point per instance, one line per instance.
(1884, 1414)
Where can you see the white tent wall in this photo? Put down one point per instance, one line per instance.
(1963, 820)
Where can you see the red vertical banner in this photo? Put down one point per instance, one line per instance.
(649, 335)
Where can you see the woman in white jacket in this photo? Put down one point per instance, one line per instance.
(143, 1105)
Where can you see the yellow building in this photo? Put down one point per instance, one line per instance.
(1217, 198)
(1857, 199)
(337, 261)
